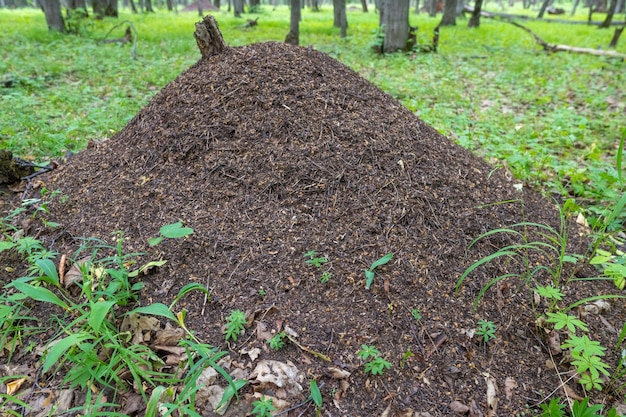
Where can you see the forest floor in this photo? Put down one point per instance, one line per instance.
(267, 153)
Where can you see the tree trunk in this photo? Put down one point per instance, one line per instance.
(431, 7)
(200, 11)
(364, 5)
(133, 7)
(474, 21)
(238, 7)
(54, 18)
(449, 14)
(417, 6)
(339, 13)
(315, 5)
(616, 35)
(216, 3)
(293, 37)
(395, 25)
(149, 8)
(108, 8)
(544, 6)
(380, 5)
(170, 5)
(609, 15)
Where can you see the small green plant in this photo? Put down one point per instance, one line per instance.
(171, 231)
(415, 313)
(553, 409)
(405, 357)
(262, 292)
(375, 364)
(553, 245)
(263, 407)
(316, 395)
(583, 409)
(235, 324)
(562, 320)
(278, 341)
(587, 358)
(317, 261)
(369, 273)
(486, 329)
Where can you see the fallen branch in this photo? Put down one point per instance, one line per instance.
(549, 47)
(125, 39)
(40, 170)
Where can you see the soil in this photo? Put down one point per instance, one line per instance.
(269, 151)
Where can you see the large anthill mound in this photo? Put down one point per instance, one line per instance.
(269, 151)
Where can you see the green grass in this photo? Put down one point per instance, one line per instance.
(554, 120)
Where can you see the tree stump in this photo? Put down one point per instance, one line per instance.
(208, 37)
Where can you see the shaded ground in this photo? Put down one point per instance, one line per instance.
(269, 151)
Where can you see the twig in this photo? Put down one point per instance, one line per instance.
(42, 170)
(306, 349)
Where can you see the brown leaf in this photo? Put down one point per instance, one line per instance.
(263, 332)
(169, 336)
(569, 392)
(459, 407)
(278, 375)
(74, 276)
(14, 385)
(474, 411)
(509, 386)
(134, 404)
(338, 373)
(554, 342)
(492, 395)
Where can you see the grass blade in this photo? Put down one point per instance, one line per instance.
(156, 309)
(62, 346)
(40, 294)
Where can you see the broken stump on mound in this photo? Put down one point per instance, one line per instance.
(208, 37)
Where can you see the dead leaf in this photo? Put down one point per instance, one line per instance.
(405, 413)
(554, 342)
(211, 395)
(252, 353)
(66, 397)
(14, 385)
(169, 336)
(74, 276)
(134, 404)
(338, 373)
(509, 386)
(492, 395)
(62, 268)
(459, 407)
(207, 377)
(140, 327)
(570, 393)
(474, 411)
(262, 331)
(387, 411)
(277, 374)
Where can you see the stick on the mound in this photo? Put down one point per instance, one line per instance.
(208, 37)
